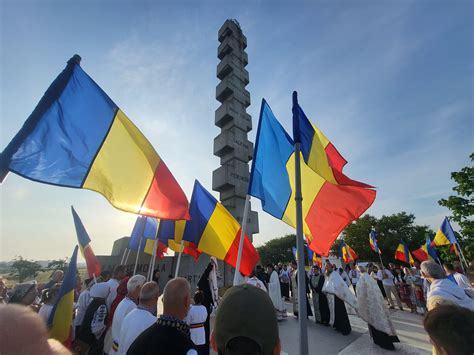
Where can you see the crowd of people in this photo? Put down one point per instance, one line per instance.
(117, 313)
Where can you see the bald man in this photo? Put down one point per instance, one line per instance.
(22, 331)
(170, 333)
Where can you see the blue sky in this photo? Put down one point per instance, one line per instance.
(389, 83)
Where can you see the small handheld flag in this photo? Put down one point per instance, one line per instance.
(93, 264)
(403, 254)
(445, 235)
(60, 319)
(348, 254)
(373, 241)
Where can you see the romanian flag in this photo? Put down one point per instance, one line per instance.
(214, 231)
(77, 137)
(93, 264)
(348, 254)
(171, 234)
(373, 241)
(403, 254)
(317, 260)
(60, 319)
(327, 206)
(145, 229)
(426, 251)
(445, 235)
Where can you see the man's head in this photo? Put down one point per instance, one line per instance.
(449, 268)
(105, 276)
(284, 267)
(391, 266)
(134, 285)
(246, 323)
(315, 269)
(57, 276)
(294, 265)
(119, 272)
(177, 298)
(24, 293)
(198, 297)
(353, 266)
(431, 270)
(269, 268)
(149, 294)
(450, 329)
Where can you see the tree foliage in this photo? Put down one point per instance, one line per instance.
(23, 269)
(390, 229)
(59, 264)
(461, 206)
(277, 250)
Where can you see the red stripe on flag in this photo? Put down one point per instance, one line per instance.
(400, 256)
(334, 207)
(165, 198)
(250, 256)
(420, 254)
(93, 264)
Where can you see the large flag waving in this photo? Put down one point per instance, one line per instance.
(425, 252)
(327, 207)
(339, 199)
(373, 241)
(347, 253)
(93, 264)
(77, 137)
(60, 319)
(403, 254)
(445, 235)
(215, 231)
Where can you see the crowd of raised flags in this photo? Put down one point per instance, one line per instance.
(77, 137)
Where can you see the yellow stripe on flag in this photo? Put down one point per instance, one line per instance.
(318, 159)
(441, 239)
(124, 168)
(63, 318)
(219, 233)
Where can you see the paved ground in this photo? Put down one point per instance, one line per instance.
(325, 340)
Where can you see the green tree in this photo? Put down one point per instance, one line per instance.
(461, 206)
(277, 250)
(59, 264)
(390, 229)
(23, 269)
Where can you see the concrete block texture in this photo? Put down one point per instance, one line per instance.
(232, 114)
(233, 144)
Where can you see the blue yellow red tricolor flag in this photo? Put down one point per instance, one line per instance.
(330, 202)
(373, 241)
(403, 254)
(214, 231)
(77, 137)
(426, 251)
(60, 319)
(145, 228)
(93, 264)
(348, 254)
(445, 235)
(171, 234)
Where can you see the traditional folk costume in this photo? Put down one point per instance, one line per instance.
(274, 291)
(204, 285)
(320, 301)
(295, 295)
(135, 323)
(168, 335)
(371, 308)
(337, 293)
(127, 305)
(196, 319)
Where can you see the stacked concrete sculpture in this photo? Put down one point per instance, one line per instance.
(232, 145)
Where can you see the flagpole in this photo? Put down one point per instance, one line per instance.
(123, 256)
(301, 273)
(237, 277)
(152, 259)
(139, 246)
(181, 246)
(461, 254)
(126, 258)
(155, 246)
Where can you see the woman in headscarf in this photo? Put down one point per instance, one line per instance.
(371, 308)
(338, 293)
(92, 332)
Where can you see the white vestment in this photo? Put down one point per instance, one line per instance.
(257, 283)
(446, 291)
(196, 318)
(124, 307)
(334, 285)
(81, 306)
(371, 305)
(135, 323)
(274, 291)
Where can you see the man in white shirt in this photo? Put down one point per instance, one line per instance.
(354, 276)
(140, 318)
(460, 279)
(128, 304)
(387, 277)
(254, 281)
(119, 274)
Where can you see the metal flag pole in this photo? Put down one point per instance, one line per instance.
(301, 273)
(181, 247)
(139, 245)
(152, 261)
(155, 246)
(126, 258)
(237, 277)
(460, 256)
(123, 256)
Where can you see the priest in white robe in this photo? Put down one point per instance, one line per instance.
(371, 308)
(274, 291)
(141, 318)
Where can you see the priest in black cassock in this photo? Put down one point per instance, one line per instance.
(320, 301)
